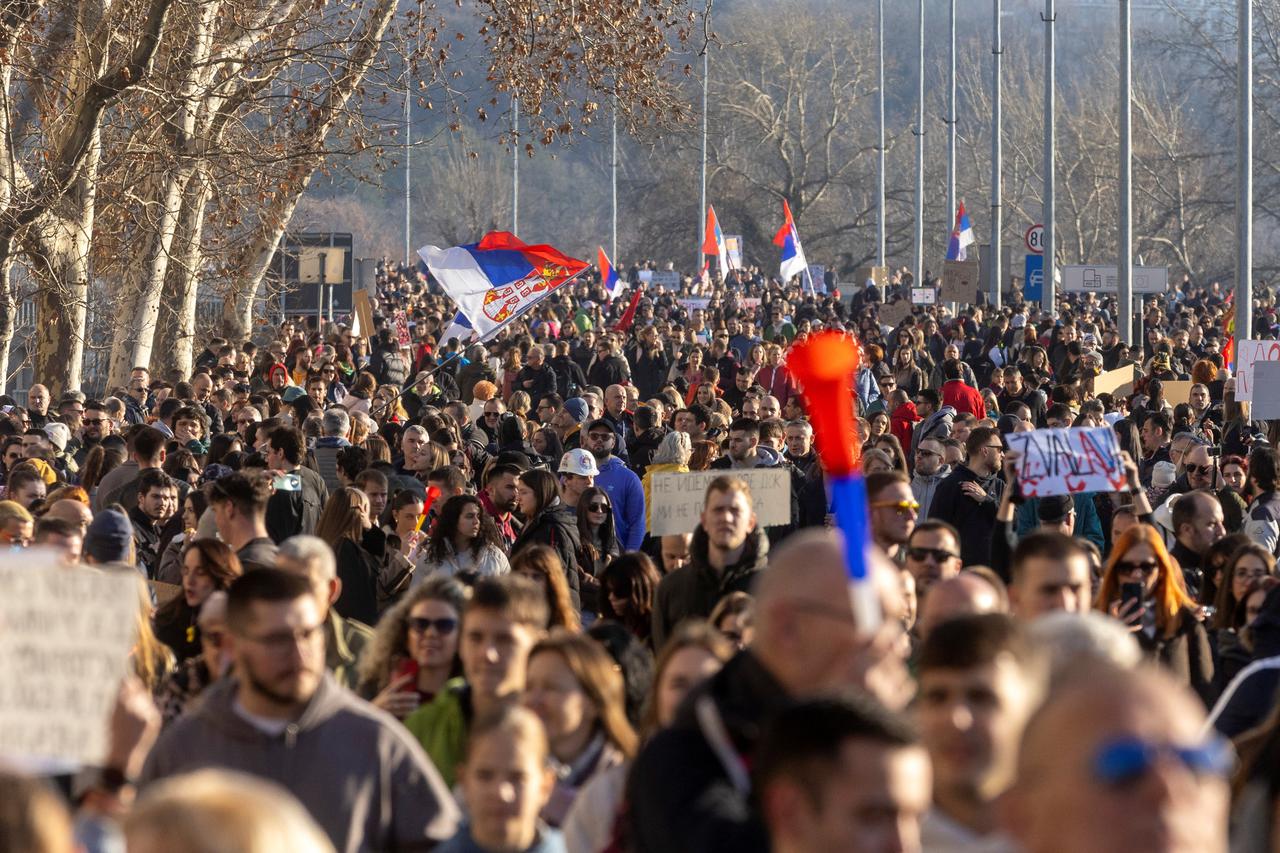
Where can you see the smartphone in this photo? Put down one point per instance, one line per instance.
(1131, 592)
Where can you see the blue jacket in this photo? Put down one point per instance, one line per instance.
(1088, 525)
(627, 496)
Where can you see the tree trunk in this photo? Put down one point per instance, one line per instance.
(176, 347)
(246, 273)
(59, 249)
(8, 316)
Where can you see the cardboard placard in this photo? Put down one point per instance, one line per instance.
(676, 500)
(1176, 392)
(1118, 382)
(959, 281)
(923, 296)
(65, 638)
(894, 312)
(362, 309)
(665, 278)
(1266, 391)
(1068, 461)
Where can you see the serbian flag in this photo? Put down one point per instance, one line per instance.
(961, 236)
(460, 328)
(793, 260)
(608, 275)
(498, 279)
(713, 243)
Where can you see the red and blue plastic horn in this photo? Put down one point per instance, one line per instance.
(824, 366)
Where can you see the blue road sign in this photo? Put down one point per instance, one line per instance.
(1033, 281)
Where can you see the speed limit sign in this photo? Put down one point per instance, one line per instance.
(1034, 238)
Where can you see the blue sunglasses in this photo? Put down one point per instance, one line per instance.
(1125, 761)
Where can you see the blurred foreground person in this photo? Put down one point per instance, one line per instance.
(1116, 761)
(842, 774)
(216, 811)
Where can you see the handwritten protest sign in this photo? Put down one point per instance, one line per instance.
(1266, 391)
(665, 278)
(65, 638)
(1068, 461)
(959, 281)
(1249, 353)
(676, 500)
(1118, 382)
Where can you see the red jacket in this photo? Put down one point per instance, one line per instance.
(777, 381)
(903, 422)
(963, 398)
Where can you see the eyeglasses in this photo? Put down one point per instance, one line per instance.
(598, 507)
(922, 452)
(999, 447)
(1249, 574)
(93, 421)
(902, 507)
(1125, 761)
(939, 555)
(443, 626)
(1126, 567)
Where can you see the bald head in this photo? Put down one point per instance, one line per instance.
(806, 632)
(70, 510)
(1082, 783)
(963, 595)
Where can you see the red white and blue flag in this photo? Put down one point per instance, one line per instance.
(793, 260)
(713, 242)
(499, 278)
(961, 236)
(608, 275)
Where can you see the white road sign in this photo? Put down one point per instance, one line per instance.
(1103, 279)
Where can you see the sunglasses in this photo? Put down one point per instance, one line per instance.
(443, 626)
(1125, 567)
(902, 507)
(1126, 761)
(1199, 469)
(939, 555)
(598, 507)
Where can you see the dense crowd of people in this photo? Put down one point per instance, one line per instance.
(405, 591)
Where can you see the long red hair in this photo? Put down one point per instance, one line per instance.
(1171, 597)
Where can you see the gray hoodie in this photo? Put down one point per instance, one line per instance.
(924, 485)
(359, 773)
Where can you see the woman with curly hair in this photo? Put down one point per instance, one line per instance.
(414, 649)
(464, 543)
(208, 566)
(1162, 617)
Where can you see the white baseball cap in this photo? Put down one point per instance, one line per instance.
(579, 462)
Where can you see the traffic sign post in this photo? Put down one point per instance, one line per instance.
(1034, 238)
(1033, 280)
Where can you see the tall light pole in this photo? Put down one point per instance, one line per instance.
(917, 267)
(706, 77)
(880, 153)
(613, 170)
(1244, 179)
(997, 155)
(1124, 283)
(1048, 293)
(408, 151)
(951, 122)
(515, 165)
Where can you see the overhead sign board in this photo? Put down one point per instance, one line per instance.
(1094, 278)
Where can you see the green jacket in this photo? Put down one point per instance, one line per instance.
(345, 641)
(441, 726)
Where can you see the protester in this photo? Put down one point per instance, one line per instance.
(283, 717)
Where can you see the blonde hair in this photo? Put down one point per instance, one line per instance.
(219, 811)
